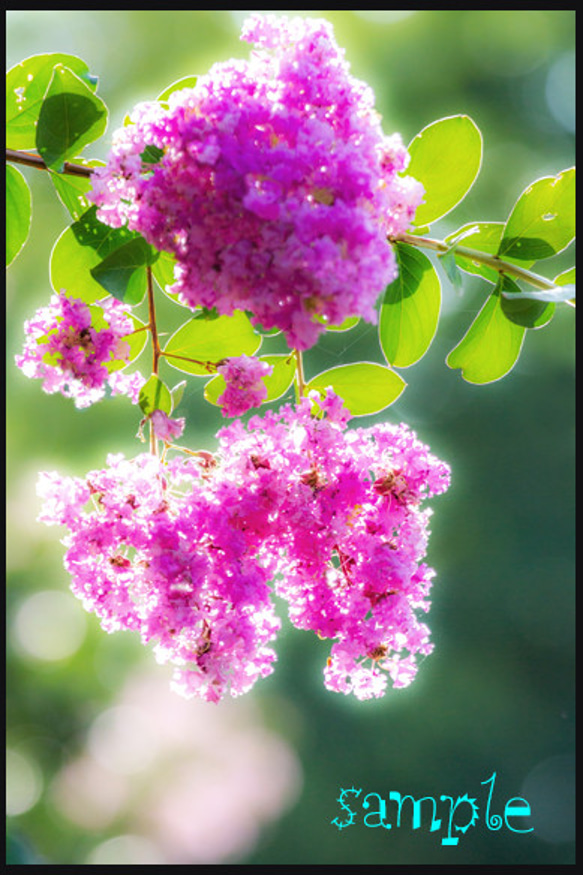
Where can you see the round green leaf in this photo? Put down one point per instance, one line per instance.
(542, 221)
(365, 387)
(282, 376)
(445, 157)
(71, 117)
(26, 85)
(18, 212)
(203, 342)
(410, 309)
(490, 347)
(155, 395)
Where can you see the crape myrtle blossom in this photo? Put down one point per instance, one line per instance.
(188, 552)
(71, 347)
(275, 187)
(245, 388)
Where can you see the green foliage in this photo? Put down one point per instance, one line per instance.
(155, 395)
(91, 259)
(122, 272)
(410, 309)
(201, 343)
(446, 157)
(365, 387)
(71, 117)
(18, 212)
(492, 344)
(26, 89)
(542, 221)
(71, 190)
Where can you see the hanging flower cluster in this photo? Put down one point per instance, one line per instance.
(271, 183)
(189, 551)
(71, 348)
(245, 388)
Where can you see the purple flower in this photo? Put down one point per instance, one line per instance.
(276, 189)
(165, 428)
(245, 387)
(189, 551)
(72, 347)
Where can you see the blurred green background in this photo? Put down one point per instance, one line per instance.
(105, 765)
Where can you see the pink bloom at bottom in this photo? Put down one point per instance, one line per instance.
(189, 552)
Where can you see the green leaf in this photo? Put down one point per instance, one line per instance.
(542, 221)
(26, 85)
(365, 387)
(71, 117)
(155, 395)
(208, 341)
(521, 309)
(177, 392)
(18, 212)
(185, 82)
(71, 190)
(410, 308)
(282, 376)
(491, 346)
(80, 249)
(445, 157)
(122, 272)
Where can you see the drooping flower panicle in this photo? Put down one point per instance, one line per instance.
(275, 188)
(71, 348)
(189, 552)
(245, 388)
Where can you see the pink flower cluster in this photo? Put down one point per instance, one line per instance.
(276, 187)
(245, 387)
(71, 347)
(189, 552)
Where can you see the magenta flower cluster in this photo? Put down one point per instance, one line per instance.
(72, 348)
(245, 388)
(271, 182)
(190, 550)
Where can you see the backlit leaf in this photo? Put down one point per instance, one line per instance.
(491, 346)
(71, 117)
(199, 344)
(445, 157)
(26, 85)
(542, 221)
(365, 387)
(410, 308)
(18, 212)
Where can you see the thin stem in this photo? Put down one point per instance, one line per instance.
(31, 160)
(210, 366)
(497, 264)
(300, 382)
